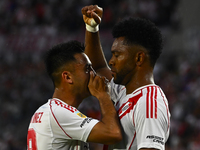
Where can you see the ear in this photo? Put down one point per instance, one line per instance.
(67, 76)
(140, 57)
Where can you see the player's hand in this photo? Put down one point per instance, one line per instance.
(92, 12)
(98, 86)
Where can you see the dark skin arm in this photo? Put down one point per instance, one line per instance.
(92, 41)
(108, 130)
(94, 51)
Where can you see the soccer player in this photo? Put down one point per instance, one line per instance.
(58, 124)
(141, 104)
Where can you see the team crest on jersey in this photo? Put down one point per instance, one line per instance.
(80, 114)
(124, 108)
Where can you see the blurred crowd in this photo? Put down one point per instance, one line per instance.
(30, 27)
(21, 16)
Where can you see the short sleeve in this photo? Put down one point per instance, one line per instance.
(71, 123)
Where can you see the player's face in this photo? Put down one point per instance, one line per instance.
(82, 74)
(122, 62)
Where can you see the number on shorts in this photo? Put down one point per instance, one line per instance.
(31, 140)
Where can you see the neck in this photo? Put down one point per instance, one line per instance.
(138, 80)
(67, 97)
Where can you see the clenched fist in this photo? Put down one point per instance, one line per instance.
(92, 15)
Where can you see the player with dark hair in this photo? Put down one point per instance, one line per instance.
(141, 104)
(59, 55)
(59, 124)
(145, 34)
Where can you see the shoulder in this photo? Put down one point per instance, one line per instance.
(152, 92)
(152, 104)
(59, 105)
(61, 110)
(65, 113)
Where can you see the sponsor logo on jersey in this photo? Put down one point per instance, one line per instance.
(80, 114)
(86, 120)
(156, 139)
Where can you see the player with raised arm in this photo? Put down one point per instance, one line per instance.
(141, 104)
(59, 124)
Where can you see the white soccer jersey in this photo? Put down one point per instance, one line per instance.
(57, 125)
(144, 116)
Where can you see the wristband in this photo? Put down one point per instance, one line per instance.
(94, 27)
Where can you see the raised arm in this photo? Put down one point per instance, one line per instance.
(92, 17)
(108, 130)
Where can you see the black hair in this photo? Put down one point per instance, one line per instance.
(141, 32)
(61, 54)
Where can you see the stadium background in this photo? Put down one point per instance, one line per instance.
(30, 27)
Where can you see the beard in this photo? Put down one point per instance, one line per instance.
(123, 76)
(118, 79)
